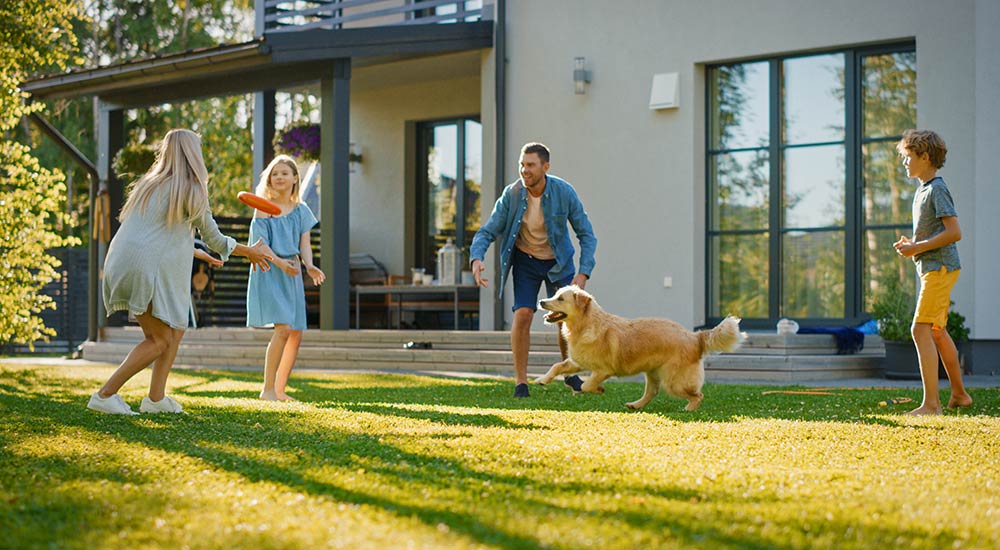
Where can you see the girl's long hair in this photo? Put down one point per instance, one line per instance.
(264, 185)
(180, 168)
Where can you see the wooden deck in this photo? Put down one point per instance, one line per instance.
(763, 357)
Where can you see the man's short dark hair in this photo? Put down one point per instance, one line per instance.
(537, 148)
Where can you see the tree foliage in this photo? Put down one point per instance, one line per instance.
(34, 35)
(114, 31)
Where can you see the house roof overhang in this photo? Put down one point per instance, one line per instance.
(275, 60)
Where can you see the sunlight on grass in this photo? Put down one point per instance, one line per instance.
(393, 460)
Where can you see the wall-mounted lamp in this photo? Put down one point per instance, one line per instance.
(354, 157)
(581, 76)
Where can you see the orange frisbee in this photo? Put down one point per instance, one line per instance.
(258, 202)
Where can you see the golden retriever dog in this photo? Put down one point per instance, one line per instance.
(609, 345)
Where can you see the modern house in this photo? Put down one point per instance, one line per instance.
(734, 157)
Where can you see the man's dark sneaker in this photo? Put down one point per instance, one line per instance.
(574, 382)
(521, 390)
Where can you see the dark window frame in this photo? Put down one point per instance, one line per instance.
(855, 226)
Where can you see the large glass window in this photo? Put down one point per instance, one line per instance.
(889, 94)
(448, 206)
(806, 192)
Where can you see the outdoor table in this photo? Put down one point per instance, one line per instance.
(408, 290)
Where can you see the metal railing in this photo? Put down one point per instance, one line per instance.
(296, 15)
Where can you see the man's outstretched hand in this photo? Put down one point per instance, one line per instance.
(477, 272)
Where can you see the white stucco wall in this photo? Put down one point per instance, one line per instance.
(983, 228)
(379, 113)
(640, 173)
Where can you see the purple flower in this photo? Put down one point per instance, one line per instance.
(300, 141)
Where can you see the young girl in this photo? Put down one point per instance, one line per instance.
(148, 267)
(277, 297)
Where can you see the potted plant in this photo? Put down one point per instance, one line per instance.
(893, 309)
(960, 334)
(300, 141)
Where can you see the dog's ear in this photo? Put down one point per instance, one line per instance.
(582, 301)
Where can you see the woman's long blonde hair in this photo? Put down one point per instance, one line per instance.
(180, 167)
(264, 185)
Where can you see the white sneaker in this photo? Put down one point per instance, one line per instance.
(165, 405)
(110, 405)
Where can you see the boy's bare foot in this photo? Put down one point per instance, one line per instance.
(961, 400)
(925, 410)
(268, 395)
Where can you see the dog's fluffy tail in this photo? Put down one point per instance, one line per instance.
(726, 336)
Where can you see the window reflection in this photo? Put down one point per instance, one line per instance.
(441, 190)
(740, 286)
(813, 108)
(889, 89)
(739, 106)
(814, 186)
(888, 195)
(741, 200)
(812, 281)
(473, 181)
(881, 263)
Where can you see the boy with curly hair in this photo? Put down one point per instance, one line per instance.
(933, 250)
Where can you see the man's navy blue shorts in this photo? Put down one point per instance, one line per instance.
(529, 273)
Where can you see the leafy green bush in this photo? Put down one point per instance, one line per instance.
(34, 36)
(893, 308)
(133, 160)
(956, 326)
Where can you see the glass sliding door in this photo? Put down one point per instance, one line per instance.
(447, 206)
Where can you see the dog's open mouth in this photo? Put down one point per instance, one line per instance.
(555, 316)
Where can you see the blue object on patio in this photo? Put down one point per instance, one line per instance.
(868, 327)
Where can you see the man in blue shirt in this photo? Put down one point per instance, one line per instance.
(529, 224)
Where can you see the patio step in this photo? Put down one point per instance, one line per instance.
(763, 357)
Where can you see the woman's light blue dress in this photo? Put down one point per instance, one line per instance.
(274, 297)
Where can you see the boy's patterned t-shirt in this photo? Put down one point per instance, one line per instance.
(931, 202)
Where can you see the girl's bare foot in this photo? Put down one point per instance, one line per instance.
(924, 409)
(960, 400)
(268, 395)
(285, 397)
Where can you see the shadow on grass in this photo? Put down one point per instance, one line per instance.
(199, 436)
(723, 402)
(225, 437)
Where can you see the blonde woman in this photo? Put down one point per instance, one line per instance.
(148, 268)
(277, 298)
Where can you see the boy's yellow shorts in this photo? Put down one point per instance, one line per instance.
(935, 297)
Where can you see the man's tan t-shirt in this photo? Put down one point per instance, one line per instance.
(532, 238)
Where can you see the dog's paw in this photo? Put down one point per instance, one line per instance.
(633, 406)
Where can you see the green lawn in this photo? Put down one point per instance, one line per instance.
(390, 461)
